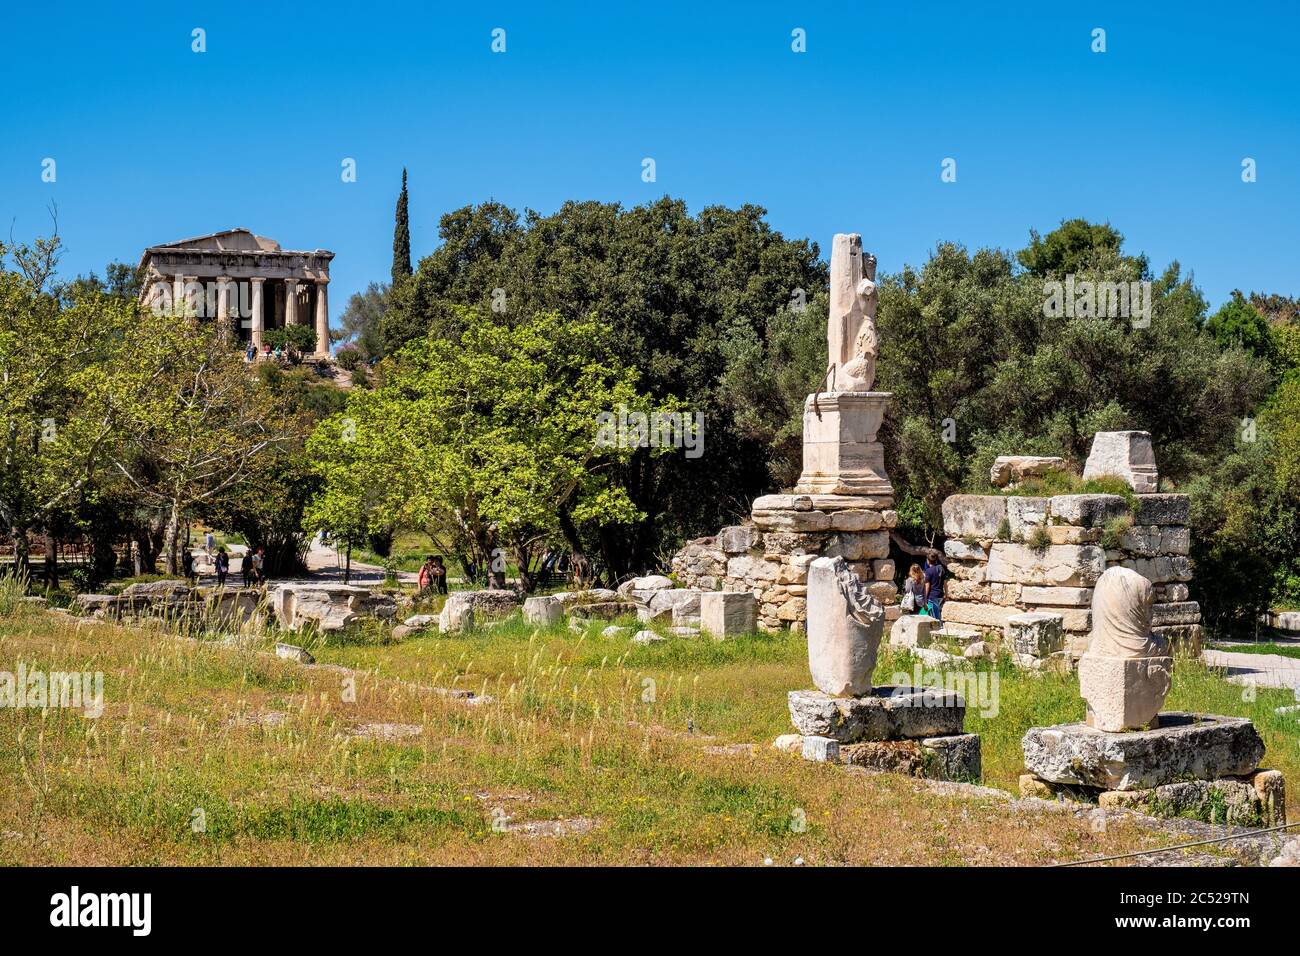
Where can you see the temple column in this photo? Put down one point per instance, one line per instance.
(193, 297)
(258, 321)
(322, 318)
(223, 307)
(290, 302)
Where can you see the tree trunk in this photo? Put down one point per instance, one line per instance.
(347, 564)
(172, 535)
(51, 562)
(22, 559)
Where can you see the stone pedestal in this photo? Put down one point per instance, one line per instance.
(1183, 747)
(726, 614)
(1126, 455)
(915, 731)
(1124, 693)
(841, 455)
(841, 648)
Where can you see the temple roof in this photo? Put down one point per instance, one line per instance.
(229, 240)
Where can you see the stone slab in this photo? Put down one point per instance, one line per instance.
(978, 516)
(1195, 746)
(726, 614)
(886, 713)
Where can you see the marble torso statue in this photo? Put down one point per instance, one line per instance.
(851, 338)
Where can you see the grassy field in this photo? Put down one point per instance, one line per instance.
(1284, 650)
(592, 751)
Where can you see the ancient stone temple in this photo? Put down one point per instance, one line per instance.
(242, 281)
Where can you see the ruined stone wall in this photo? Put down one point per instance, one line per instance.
(770, 555)
(1006, 555)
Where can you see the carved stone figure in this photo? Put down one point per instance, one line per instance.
(1126, 671)
(852, 344)
(845, 626)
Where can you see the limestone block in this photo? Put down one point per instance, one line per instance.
(1142, 540)
(1087, 511)
(783, 503)
(883, 591)
(1163, 509)
(1031, 786)
(779, 544)
(291, 652)
(1061, 597)
(1182, 612)
(1069, 534)
(883, 569)
(886, 713)
(795, 609)
(1128, 455)
(1005, 594)
(911, 630)
(979, 516)
(1162, 569)
(1074, 620)
(1195, 746)
(956, 548)
(456, 618)
(845, 625)
(1226, 801)
(993, 616)
(1182, 638)
(841, 455)
(1123, 693)
(738, 538)
(967, 571)
(677, 601)
(858, 545)
(1026, 514)
(821, 749)
(1172, 593)
(647, 637)
(889, 518)
(728, 614)
(856, 521)
(1010, 470)
(970, 591)
(1057, 565)
(789, 743)
(954, 757)
(543, 611)
(750, 568)
(1036, 634)
(804, 521)
(1176, 540)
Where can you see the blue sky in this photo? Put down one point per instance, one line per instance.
(155, 142)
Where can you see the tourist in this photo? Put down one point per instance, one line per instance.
(259, 565)
(209, 542)
(266, 351)
(934, 586)
(439, 572)
(223, 567)
(250, 353)
(279, 353)
(187, 565)
(246, 569)
(914, 591)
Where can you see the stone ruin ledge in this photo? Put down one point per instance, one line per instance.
(1009, 555)
(769, 555)
(1199, 765)
(914, 731)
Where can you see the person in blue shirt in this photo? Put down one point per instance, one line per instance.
(934, 585)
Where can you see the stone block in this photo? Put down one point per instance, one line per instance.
(959, 549)
(1181, 612)
(1227, 801)
(1070, 534)
(1061, 597)
(1271, 789)
(738, 538)
(841, 455)
(1036, 634)
(726, 614)
(970, 591)
(783, 503)
(1057, 565)
(991, 616)
(1025, 514)
(883, 569)
(802, 521)
(955, 757)
(821, 749)
(1128, 455)
(749, 568)
(1010, 470)
(1161, 569)
(1183, 639)
(856, 521)
(291, 652)
(1087, 511)
(911, 630)
(858, 545)
(979, 516)
(1163, 509)
(886, 713)
(1184, 746)
(1123, 693)
(543, 611)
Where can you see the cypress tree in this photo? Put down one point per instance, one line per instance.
(401, 238)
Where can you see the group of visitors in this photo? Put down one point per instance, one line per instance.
(923, 591)
(252, 568)
(251, 353)
(433, 575)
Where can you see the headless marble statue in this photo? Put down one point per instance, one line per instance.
(851, 339)
(1126, 671)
